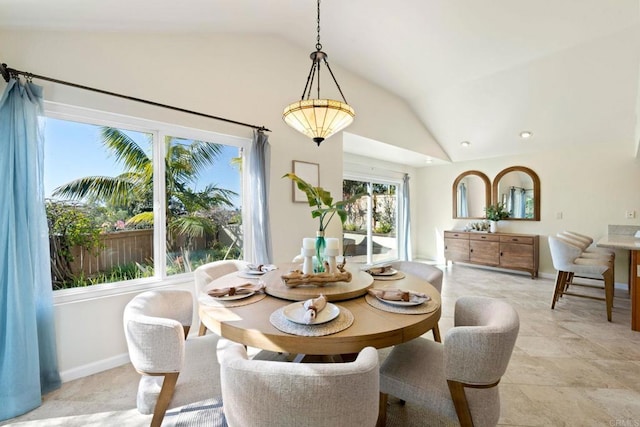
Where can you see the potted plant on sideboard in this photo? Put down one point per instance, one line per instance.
(495, 213)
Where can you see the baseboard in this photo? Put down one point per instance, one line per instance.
(550, 276)
(94, 367)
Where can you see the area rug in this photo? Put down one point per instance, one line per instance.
(205, 413)
(209, 413)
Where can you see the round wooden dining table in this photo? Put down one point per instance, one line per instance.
(250, 325)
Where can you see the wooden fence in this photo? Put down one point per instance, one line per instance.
(124, 247)
(118, 248)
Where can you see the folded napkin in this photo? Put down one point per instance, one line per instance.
(379, 269)
(261, 267)
(313, 307)
(247, 288)
(396, 294)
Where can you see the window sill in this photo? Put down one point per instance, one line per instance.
(66, 296)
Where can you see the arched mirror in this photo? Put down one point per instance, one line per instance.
(518, 187)
(471, 194)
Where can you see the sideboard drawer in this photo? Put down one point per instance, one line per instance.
(486, 237)
(456, 235)
(525, 240)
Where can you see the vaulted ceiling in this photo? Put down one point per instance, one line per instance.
(476, 71)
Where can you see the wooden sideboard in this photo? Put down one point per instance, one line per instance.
(502, 250)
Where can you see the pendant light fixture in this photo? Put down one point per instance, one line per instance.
(318, 118)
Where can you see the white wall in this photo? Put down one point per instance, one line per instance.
(244, 78)
(591, 187)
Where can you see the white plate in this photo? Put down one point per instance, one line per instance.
(413, 300)
(254, 272)
(233, 297)
(295, 313)
(388, 272)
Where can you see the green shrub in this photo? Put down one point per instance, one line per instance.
(383, 228)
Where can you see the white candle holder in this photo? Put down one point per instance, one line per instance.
(331, 254)
(307, 263)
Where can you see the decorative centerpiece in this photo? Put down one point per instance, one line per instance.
(495, 213)
(324, 209)
(480, 226)
(296, 278)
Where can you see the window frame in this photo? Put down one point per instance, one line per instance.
(159, 130)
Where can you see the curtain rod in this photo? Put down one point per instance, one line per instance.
(7, 73)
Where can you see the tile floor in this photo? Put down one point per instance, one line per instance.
(570, 367)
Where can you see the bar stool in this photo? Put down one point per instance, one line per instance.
(584, 242)
(568, 262)
(587, 241)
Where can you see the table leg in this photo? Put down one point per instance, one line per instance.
(635, 292)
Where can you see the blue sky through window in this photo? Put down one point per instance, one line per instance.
(73, 150)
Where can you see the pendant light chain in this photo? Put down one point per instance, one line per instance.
(318, 49)
(318, 118)
(318, 45)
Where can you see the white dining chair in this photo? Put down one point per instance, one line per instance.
(260, 393)
(457, 381)
(209, 272)
(175, 371)
(426, 272)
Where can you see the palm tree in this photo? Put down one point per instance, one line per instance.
(184, 162)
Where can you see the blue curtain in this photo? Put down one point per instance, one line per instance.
(406, 220)
(28, 361)
(511, 206)
(258, 168)
(522, 203)
(464, 203)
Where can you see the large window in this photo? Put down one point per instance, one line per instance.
(371, 230)
(113, 220)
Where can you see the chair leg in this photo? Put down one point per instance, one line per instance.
(436, 334)
(560, 279)
(203, 330)
(382, 410)
(166, 393)
(608, 291)
(567, 281)
(460, 402)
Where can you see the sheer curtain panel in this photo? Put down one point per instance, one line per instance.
(259, 197)
(28, 361)
(406, 221)
(464, 203)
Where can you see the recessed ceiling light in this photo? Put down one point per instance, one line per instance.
(526, 134)
(465, 143)
(429, 161)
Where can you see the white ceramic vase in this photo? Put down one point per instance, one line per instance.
(493, 226)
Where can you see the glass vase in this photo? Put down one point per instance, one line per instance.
(320, 246)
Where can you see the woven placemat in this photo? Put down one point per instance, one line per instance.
(213, 302)
(427, 307)
(340, 323)
(399, 275)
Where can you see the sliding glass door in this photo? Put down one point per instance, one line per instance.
(371, 231)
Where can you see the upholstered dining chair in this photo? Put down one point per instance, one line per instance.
(264, 393)
(426, 272)
(175, 371)
(456, 382)
(568, 262)
(207, 273)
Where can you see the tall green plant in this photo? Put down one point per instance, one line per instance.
(322, 202)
